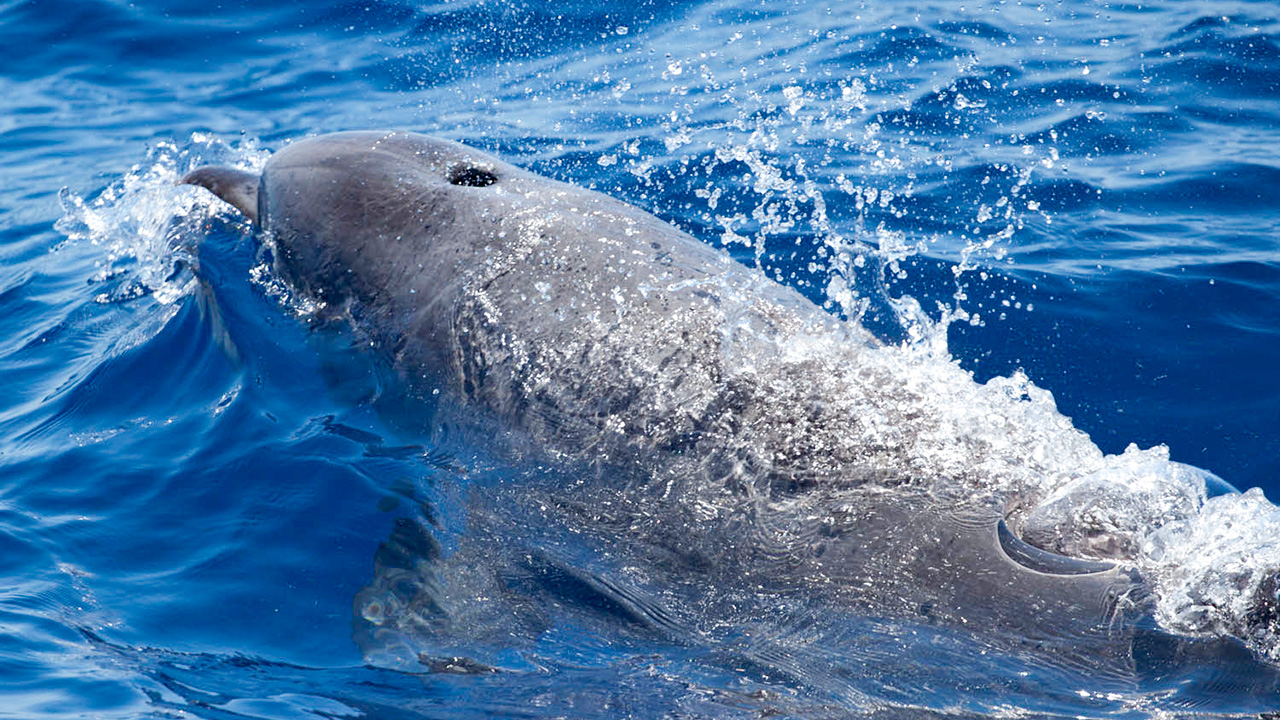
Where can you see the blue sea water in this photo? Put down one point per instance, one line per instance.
(194, 485)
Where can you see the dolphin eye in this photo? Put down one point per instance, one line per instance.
(471, 176)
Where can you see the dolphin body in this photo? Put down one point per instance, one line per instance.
(682, 392)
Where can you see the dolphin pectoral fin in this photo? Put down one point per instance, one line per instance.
(1043, 561)
(236, 187)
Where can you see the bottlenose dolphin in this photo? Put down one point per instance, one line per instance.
(713, 417)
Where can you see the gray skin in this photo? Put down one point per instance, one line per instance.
(560, 327)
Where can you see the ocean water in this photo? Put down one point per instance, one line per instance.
(196, 485)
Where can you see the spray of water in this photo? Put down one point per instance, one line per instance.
(146, 224)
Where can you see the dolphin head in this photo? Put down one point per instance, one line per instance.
(349, 214)
(369, 215)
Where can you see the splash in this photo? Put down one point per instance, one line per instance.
(145, 226)
(809, 168)
(768, 181)
(1219, 569)
(1209, 551)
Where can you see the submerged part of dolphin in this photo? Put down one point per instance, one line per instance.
(717, 424)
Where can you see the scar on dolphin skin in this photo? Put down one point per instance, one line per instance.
(718, 411)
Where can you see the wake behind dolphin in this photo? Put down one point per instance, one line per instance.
(717, 428)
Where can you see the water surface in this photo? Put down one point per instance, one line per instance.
(194, 484)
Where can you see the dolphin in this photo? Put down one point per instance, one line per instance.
(689, 397)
